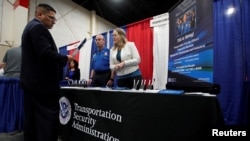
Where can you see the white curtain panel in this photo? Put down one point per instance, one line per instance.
(160, 55)
(84, 59)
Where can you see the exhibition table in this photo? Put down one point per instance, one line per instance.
(94, 114)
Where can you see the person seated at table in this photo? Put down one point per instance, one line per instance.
(11, 63)
(73, 72)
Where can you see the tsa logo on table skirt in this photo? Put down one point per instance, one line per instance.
(65, 110)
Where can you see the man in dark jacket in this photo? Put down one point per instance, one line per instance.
(40, 69)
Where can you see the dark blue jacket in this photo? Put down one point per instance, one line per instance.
(41, 63)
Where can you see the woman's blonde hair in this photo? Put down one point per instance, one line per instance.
(120, 44)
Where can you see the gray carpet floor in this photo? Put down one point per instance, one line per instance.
(13, 136)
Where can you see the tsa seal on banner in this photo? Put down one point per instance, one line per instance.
(65, 110)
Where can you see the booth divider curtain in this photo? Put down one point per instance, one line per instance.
(142, 34)
(246, 50)
(77, 55)
(231, 59)
(160, 55)
(63, 51)
(110, 39)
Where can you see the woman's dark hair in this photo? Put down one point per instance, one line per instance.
(76, 64)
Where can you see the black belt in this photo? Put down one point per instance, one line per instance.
(102, 72)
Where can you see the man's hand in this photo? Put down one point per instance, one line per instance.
(2, 65)
(70, 58)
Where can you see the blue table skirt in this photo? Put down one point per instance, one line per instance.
(11, 105)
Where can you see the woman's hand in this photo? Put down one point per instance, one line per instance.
(119, 66)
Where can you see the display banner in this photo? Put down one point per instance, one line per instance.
(90, 114)
(191, 44)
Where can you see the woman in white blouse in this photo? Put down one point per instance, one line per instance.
(125, 60)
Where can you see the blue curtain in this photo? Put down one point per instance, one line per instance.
(110, 39)
(230, 61)
(246, 50)
(11, 105)
(63, 50)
